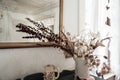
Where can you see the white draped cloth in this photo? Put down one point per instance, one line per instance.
(95, 17)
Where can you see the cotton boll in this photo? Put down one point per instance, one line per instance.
(93, 42)
(85, 48)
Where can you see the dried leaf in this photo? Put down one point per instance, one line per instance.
(67, 55)
(100, 44)
(97, 64)
(108, 22)
(68, 33)
(107, 7)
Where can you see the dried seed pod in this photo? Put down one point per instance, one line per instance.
(68, 33)
(100, 44)
(86, 55)
(105, 57)
(91, 56)
(97, 64)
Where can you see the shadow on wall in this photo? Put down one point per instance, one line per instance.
(15, 63)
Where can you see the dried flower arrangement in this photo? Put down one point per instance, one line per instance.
(76, 47)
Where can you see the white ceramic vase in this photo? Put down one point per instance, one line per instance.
(81, 70)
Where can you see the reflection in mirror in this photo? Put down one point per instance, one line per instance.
(13, 12)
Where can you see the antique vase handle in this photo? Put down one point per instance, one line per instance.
(58, 73)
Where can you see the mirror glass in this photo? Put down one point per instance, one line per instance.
(13, 12)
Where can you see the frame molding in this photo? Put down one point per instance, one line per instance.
(9, 45)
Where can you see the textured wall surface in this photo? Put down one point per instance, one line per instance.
(15, 63)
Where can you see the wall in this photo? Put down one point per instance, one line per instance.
(74, 16)
(70, 16)
(15, 63)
